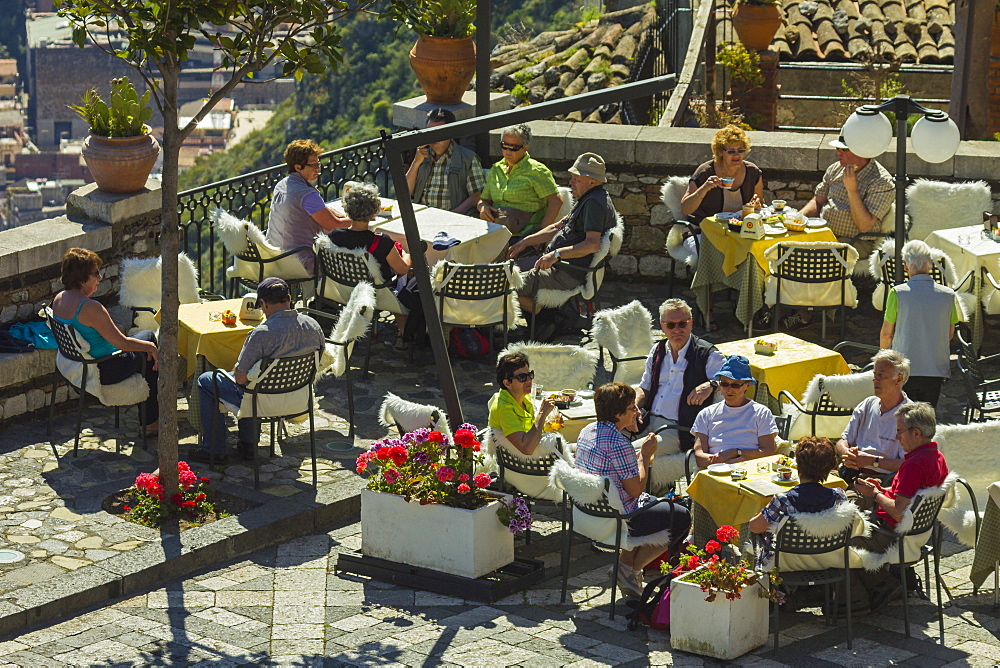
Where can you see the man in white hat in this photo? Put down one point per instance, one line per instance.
(572, 241)
(854, 196)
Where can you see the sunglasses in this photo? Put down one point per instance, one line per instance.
(726, 383)
(511, 147)
(736, 151)
(523, 377)
(669, 324)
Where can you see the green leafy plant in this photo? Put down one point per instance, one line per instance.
(151, 503)
(589, 13)
(434, 18)
(126, 116)
(521, 92)
(742, 65)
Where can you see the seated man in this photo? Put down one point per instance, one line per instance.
(284, 333)
(869, 447)
(923, 466)
(574, 239)
(444, 174)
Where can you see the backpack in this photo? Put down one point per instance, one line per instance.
(468, 342)
(652, 609)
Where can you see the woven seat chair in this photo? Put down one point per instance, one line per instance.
(78, 370)
(827, 417)
(982, 395)
(812, 275)
(883, 269)
(530, 479)
(477, 295)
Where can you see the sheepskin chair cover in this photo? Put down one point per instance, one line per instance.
(537, 487)
(557, 366)
(934, 205)
(410, 415)
(476, 312)
(587, 489)
(385, 300)
(670, 195)
(963, 447)
(236, 235)
(825, 523)
(141, 286)
(876, 261)
(351, 325)
(611, 243)
(847, 390)
(625, 332)
(566, 195)
(810, 294)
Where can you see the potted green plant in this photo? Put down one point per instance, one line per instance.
(120, 149)
(756, 22)
(444, 55)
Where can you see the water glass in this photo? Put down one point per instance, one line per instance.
(538, 391)
(964, 240)
(214, 316)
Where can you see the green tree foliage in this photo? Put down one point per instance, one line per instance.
(13, 33)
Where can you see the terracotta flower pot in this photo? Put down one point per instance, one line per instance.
(121, 165)
(756, 24)
(444, 67)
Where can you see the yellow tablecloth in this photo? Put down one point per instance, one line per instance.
(730, 503)
(791, 367)
(219, 344)
(735, 248)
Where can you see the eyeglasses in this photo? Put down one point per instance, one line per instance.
(669, 324)
(523, 377)
(904, 429)
(504, 146)
(726, 383)
(737, 151)
(314, 165)
(98, 274)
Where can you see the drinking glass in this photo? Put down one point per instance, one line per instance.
(538, 391)
(214, 316)
(964, 240)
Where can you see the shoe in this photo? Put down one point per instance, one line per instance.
(203, 456)
(794, 322)
(629, 581)
(400, 345)
(887, 591)
(764, 320)
(245, 450)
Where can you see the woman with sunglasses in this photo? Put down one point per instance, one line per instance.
(511, 409)
(81, 276)
(520, 192)
(726, 182)
(737, 429)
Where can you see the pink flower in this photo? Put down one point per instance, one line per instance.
(464, 477)
(445, 473)
(183, 466)
(187, 478)
(464, 489)
(712, 547)
(483, 480)
(391, 476)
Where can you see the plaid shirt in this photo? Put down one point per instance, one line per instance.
(602, 450)
(780, 507)
(436, 192)
(877, 190)
(525, 188)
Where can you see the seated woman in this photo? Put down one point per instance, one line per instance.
(81, 274)
(737, 429)
(511, 409)
(815, 458)
(726, 182)
(602, 449)
(362, 204)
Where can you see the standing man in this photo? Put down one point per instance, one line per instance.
(284, 333)
(869, 446)
(444, 174)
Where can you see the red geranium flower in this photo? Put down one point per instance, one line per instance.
(475, 448)
(126, 507)
(464, 477)
(483, 479)
(398, 455)
(464, 489)
(205, 480)
(183, 466)
(445, 473)
(188, 504)
(465, 438)
(177, 499)
(200, 497)
(382, 453)
(712, 547)
(727, 534)
(435, 437)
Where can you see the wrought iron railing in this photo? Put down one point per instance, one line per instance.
(248, 196)
(662, 53)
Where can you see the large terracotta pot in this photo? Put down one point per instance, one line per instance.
(121, 165)
(444, 67)
(756, 24)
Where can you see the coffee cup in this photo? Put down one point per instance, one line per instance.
(538, 391)
(785, 472)
(778, 204)
(727, 181)
(569, 395)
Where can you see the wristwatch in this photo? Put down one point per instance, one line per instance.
(714, 384)
(557, 255)
(877, 460)
(739, 453)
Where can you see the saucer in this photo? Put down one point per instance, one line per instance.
(584, 394)
(815, 223)
(774, 230)
(777, 478)
(720, 469)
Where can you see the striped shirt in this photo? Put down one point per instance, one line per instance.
(524, 188)
(877, 190)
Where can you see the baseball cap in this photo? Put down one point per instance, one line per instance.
(273, 290)
(840, 143)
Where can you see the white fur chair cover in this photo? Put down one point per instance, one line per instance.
(472, 313)
(670, 194)
(810, 294)
(963, 447)
(385, 299)
(846, 390)
(141, 286)
(537, 487)
(557, 366)
(351, 325)
(274, 405)
(934, 205)
(625, 332)
(235, 235)
(587, 488)
(611, 243)
(825, 523)
(566, 195)
(409, 415)
(877, 260)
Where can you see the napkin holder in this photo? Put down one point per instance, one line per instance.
(248, 308)
(753, 226)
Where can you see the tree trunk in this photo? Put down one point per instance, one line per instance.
(169, 247)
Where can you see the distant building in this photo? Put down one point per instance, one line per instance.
(30, 201)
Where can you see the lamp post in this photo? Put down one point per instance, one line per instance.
(935, 137)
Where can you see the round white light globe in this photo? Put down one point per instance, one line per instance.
(935, 141)
(867, 135)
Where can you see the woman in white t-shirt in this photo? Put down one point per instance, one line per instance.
(737, 429)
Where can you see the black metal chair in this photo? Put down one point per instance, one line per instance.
(252, 255)
(888, 278)
(823, 407)
(70, 349)
(792, 538)
(814, 266)
(537, 467)
(476, 295)
(982, 395)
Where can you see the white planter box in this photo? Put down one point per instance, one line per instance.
(722, 629)
(470, 543)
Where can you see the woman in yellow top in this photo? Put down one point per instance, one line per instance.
(511, 409)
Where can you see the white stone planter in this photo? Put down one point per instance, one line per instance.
(722, 629)
(470, 543)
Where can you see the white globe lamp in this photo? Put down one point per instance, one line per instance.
(868, 134)
(935, 139)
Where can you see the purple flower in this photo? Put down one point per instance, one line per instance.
(420, 435)
(470, 427)
(422, 458)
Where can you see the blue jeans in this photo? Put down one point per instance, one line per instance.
(213, 425)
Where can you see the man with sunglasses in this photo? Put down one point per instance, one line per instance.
(678, 382)
(445, 174)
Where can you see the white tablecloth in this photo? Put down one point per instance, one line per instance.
(479, 241)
